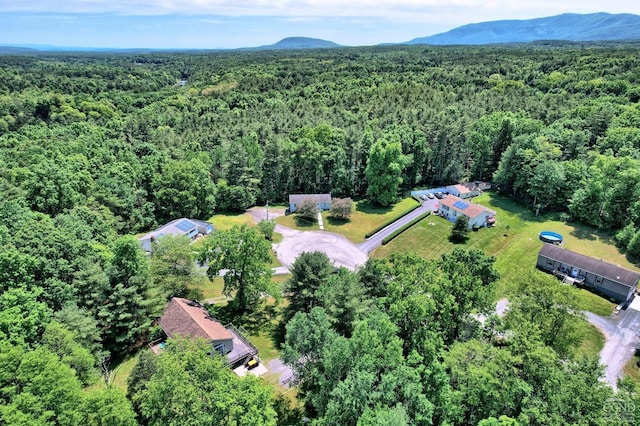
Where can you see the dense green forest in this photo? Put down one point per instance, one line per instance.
(97, 147)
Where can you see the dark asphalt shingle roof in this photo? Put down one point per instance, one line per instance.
(591, 264)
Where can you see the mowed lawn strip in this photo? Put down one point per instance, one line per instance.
(365, 217)
(514, 242)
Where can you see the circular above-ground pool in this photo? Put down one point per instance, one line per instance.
(551, 237)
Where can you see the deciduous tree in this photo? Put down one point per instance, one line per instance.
(188, 384)
(341, 208)
(384, 171)
(172, 264)
(243, 256)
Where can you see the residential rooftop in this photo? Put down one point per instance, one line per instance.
(318, 198)
(189, 318)
(593, 265)
(465, 207)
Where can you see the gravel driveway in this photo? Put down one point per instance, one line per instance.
(341, 251)
(621, 339)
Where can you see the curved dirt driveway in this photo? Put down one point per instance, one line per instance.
(339, 249)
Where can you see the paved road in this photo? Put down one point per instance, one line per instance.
(376, 240)
(621, 339)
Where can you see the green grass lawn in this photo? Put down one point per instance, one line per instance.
(224, 221)
(593, 340)
(296, 222)
(631, 368)
(365, 217)
(123, 371)
(513, 241)
(210, 289)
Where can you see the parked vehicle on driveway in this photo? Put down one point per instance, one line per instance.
(430, 196)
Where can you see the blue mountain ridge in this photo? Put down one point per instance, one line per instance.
(565, 27)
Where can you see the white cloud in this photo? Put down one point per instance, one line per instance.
(415, 10)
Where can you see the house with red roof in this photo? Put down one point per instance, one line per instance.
(451, 207)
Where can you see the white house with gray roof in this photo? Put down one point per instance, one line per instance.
(323, 201)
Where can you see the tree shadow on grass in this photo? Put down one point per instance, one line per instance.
(254, 322)
(583, 233)
(368, 208)
(337, 222)
(458, 240)
(303, 222)
(278, 334)
(589, 232)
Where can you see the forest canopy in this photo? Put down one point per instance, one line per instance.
(95, 148)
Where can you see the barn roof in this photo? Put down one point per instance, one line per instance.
(591, 264)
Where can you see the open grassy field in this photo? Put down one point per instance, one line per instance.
(514, 241)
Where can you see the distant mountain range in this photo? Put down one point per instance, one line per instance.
(566, 27)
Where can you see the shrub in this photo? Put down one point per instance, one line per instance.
(634, 245)
(267, 227)
(625, 235)
(460, 229)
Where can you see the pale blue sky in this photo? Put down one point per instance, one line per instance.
(209, 24)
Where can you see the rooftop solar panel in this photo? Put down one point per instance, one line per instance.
(184, 225)
(460, 205)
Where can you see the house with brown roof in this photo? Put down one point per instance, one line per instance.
(183, 317)
(611, 280)
(451, 207)
(461, 190)
(323, 201)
